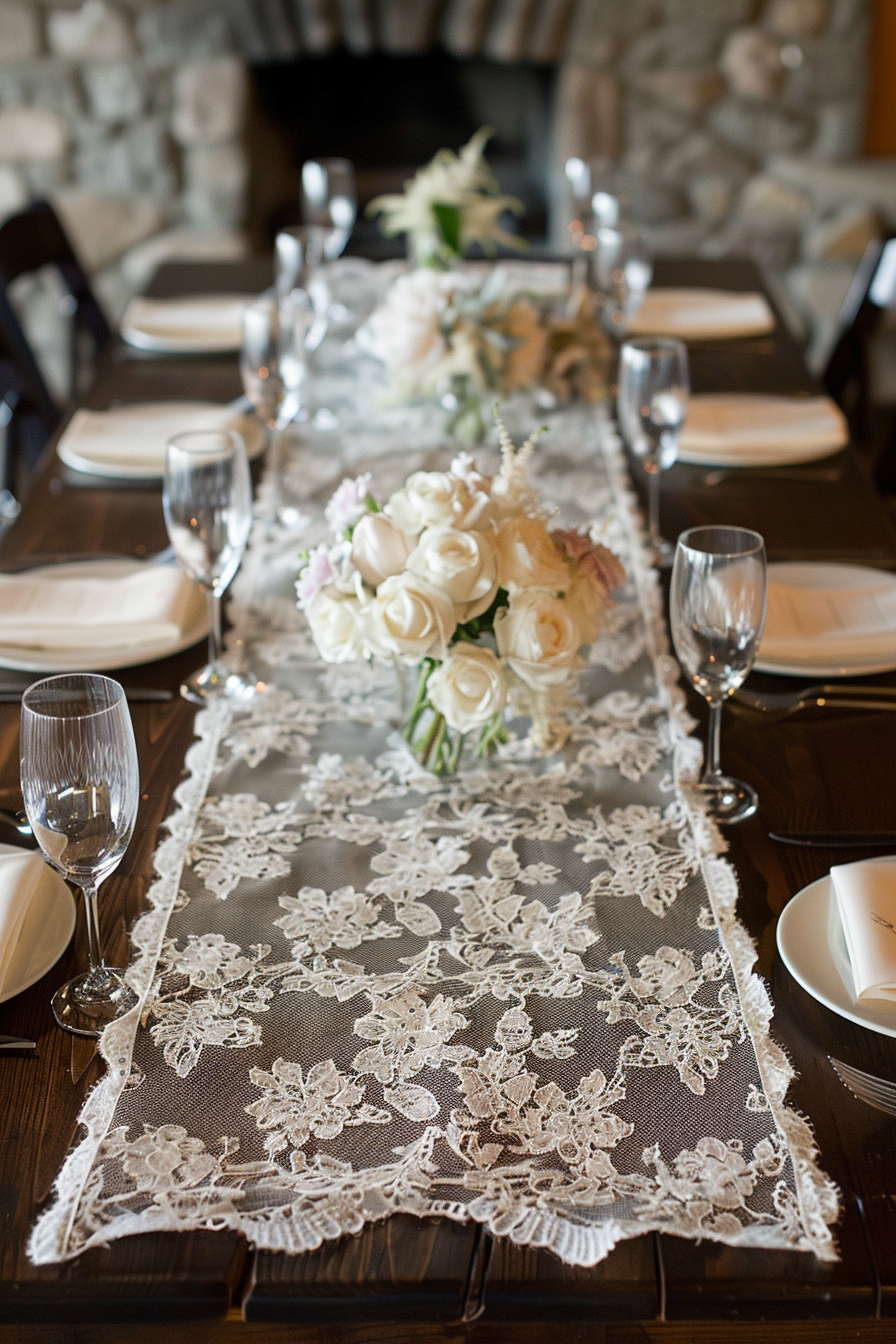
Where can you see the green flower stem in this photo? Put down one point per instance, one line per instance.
(437, 730)
(454, 754)
(420, 700)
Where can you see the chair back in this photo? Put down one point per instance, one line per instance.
(873, 289)
(29, 414)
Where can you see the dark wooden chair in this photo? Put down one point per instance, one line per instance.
(847, 375)
(30, 241)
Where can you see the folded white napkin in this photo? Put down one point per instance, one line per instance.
(133, 438)
(826, 625)
(865, 899)
(20, 874)
(211, 322)
(701, 314)
(150, 605)
(751, 429)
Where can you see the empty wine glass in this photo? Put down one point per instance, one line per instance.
(299, 258)
(273, 362)
(330, 199)
(717, 606)
(622, 272)
(207, 498)
(652, 401)
(81, 783)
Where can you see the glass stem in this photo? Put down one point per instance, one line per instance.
(215, 639)
(94, 945)
(713, 741)
(653, 508)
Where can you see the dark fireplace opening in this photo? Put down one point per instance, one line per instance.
(389, 114)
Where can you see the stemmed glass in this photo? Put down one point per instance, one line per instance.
(652, 401)
(81, 783)
(622, 271)
(330, 199)
(207, 498)
(717, 606)
(273, 362)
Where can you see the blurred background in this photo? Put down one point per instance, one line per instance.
(166, 129)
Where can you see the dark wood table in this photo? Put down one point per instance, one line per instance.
(437, 1280)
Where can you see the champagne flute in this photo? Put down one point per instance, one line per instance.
(652, 401)
(81, 783)
(330, 199)
(207, 498)
(717, 606)
(622, 272)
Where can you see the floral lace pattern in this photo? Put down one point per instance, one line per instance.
(520, 995)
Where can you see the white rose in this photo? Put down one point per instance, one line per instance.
(461, 565)
(539, 636)
(469, 687)
(334, 618)
(429, 499)
(379, 548)
(528, 557)
(410, 618)
(406, 331)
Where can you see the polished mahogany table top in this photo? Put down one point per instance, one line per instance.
(410, 1279)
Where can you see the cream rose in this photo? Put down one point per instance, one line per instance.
(469, 687)
(379, 548)
(429, 499)
(334, 618)
(461, 565)
(410, 618)
(528, 556)
(539, 636)
(586, 602)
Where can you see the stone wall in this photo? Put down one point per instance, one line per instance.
(735, 125)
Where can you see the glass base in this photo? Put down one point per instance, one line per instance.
(87, 1004)
(216, 681)
(728, 800)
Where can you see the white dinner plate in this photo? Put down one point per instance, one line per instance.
(201, 324)
(50, 921)
(88, 440)
(805, 947)
(702, 314)
(821, 574)
(730, 429)
(106, 659)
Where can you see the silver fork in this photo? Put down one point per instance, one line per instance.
(836, 695)
(877, 1092)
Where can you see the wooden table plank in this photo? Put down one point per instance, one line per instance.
(525, 1283)
(401, 1269)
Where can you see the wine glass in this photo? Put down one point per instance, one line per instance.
(652, 401)
(299, 256)
(273, 362)
(81, 783)
(717, 605)
(330, 199)
(622, 272)
(207, 498)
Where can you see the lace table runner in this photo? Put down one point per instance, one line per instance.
(520, 996)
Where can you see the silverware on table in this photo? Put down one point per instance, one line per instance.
(17, 820)
(877, 1092)
(836, 839)
(16, 1043)
(835, 695)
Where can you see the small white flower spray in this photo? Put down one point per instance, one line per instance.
(512, 483)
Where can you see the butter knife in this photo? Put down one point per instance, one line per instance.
(16, 1043)
(837, 839)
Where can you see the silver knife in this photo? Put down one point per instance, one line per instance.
(837, 839)
(16, 1043)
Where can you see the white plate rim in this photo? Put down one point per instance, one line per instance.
(104, 660)
(64, 923)
(226, 343)
(782, 459)
(848, 668)
(86, 466)
(813, 900)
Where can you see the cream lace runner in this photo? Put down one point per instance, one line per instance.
(520, 996)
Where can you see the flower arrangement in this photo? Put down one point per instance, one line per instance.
(453, 337)
(460, 576)
(449, 205)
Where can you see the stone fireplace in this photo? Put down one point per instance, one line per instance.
(735, 124)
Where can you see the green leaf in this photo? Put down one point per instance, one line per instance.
(448, 220)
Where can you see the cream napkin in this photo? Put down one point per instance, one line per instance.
(132, 439)
(701, 314)
(20, 874)
(751, 429)
(148, 606)
(206, 322)
(865, 896)
(824, 625)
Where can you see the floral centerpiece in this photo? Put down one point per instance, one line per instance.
(451, 204)
(460, 576)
